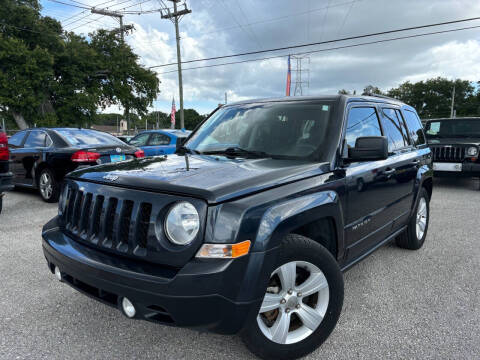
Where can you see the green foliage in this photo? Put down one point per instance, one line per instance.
(48, 76)
(432, 98)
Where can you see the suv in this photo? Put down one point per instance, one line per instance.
(5, 175)
(455, 146)
(248, 227)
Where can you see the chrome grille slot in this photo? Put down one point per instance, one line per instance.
(448, 153)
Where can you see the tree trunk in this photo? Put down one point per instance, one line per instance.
(21, 123)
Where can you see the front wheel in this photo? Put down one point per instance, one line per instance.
(48, 186)
(302, 302)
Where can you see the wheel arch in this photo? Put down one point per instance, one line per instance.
(317, 216)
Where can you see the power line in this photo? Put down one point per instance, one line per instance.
(323, 42)
(328, 49)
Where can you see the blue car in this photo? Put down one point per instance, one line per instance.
(158, 142)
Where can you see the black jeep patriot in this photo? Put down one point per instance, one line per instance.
(248, 227)
(455, 145)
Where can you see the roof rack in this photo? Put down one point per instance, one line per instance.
(379, 96)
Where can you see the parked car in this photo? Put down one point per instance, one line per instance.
(41, 157)
(455, 145)
(5, 174)
(125, 138)
(247, 229)
(159, 142)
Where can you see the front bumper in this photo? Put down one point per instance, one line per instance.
(6, 182)
(468, 170)
(217, 295)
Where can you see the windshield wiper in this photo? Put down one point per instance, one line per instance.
(237, 151)
(185, 150)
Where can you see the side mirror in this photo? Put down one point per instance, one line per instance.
(369, 148)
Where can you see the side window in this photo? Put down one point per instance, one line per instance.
(35, 139)
(394, 130)
(16, 140)
(140, 140)
(48, 141)
(362, 121)
(414, 127)
(159, 139)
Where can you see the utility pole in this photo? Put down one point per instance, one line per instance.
(225, 97)
(175, 18)
(452, 112)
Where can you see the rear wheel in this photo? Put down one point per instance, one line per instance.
(302, 302)
(414, 237)
(48, 186)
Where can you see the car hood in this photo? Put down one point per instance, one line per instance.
(454, 141)
(213, 178)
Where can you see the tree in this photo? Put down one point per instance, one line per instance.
(370, 89)
(49, 77)
(125, 81)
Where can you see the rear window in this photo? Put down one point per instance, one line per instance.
(83, 137)
(415, 128)
(394, 130)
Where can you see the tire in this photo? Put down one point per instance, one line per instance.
(1, 203)
(309, 258)
(48, 186)
(410, 238)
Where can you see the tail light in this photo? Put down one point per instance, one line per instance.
(139, 154)
(4, 154)
(85, 156)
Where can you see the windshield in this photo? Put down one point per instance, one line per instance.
(85, 137)
(289, 130)
(453, 128)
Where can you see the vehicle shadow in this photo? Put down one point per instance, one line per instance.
(452, 183)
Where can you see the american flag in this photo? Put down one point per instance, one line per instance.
(172, 115)
(289, 77)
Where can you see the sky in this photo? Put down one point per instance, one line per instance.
(224, 27)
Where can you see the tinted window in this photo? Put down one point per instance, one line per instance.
(414, 127)
(394, 130)
(35, 139)
(85, 137)
(159, 139)
(140, 139)
(362, 121)
(16, 139)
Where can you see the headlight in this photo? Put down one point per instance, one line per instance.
(182, 223)
(472, 151)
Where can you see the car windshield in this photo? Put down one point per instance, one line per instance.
(87, 137)
(453, 128)
(283, 130)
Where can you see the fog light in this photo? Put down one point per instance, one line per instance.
(128, 308)
(58, 274)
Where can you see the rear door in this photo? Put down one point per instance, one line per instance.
(15, 143)
(403, 162)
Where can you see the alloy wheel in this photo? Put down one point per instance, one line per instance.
(46, 186)
(422, 214)
(295, 304)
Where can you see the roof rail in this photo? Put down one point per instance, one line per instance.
(380, 96)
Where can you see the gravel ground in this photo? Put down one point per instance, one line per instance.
(398, 304)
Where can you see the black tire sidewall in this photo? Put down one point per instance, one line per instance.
(299, 248)
(55, 186)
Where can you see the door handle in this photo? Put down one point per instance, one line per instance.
(416, 162)
(389, 172)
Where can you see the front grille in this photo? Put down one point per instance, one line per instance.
(448, 153)
(124, 221)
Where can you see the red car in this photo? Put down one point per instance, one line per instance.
(5, 175)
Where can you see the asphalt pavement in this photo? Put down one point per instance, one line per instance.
(399, 304)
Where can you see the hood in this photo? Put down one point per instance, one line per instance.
(454, 141)
(213, 178)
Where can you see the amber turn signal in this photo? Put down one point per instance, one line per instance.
(224, 251)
